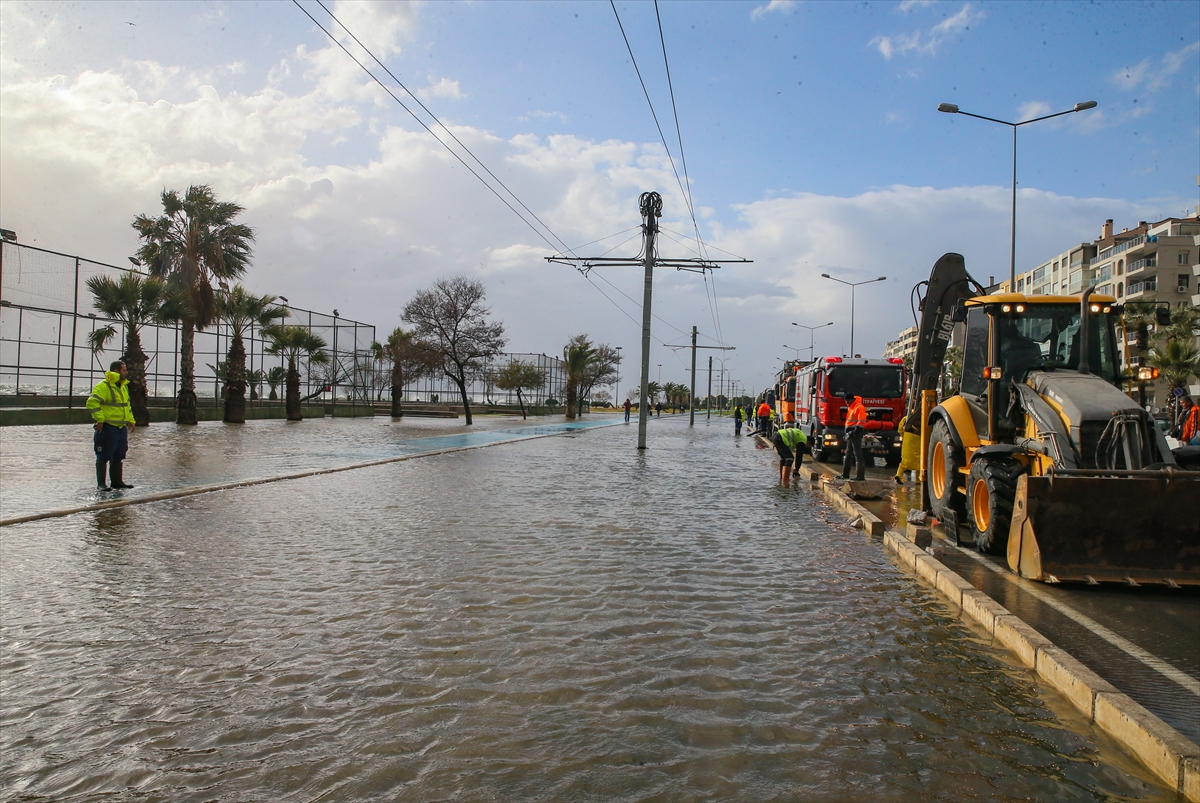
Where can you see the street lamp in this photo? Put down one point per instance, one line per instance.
(793, 348)
(811, 329)
(852, 286)
(950, 108)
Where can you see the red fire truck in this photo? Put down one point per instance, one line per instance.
(821, 407)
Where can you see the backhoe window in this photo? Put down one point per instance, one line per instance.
(869, 381)
(975, 353)
(1046, 337)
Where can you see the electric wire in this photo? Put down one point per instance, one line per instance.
(422, 122)
(452, 152)
(439, 122)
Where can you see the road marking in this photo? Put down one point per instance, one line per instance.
(1153, 662)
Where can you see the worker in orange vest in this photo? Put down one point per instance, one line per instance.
(764, 419)
(856, 427)
(1190, 434)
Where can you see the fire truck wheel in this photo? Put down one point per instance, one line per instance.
(991, 488)
(817, 437)
(944, 460)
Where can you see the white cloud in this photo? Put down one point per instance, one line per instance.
(908, 5)
(541, 115)
(773, 6)
(1031, 109)
(1151, 77)
(443, 88)
(81, 155)
(927, 42)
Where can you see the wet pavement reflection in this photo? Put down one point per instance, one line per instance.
(561, 618)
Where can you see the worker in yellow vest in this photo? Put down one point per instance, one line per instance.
(113, 421)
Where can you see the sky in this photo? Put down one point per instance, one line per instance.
(810, 132)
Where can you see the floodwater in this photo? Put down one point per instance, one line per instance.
(551, 619)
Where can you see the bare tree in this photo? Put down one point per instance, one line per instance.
(452, 319)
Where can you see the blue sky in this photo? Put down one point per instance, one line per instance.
(811, 132)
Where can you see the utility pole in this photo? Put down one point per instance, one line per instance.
(692, 398)
(650, 205)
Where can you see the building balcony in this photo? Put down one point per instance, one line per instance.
(1148, 262)
(1138, 288)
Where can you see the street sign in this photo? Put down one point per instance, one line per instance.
(1178, 391)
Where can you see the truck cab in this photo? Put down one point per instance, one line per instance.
(820, 406)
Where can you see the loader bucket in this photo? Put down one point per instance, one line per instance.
(1140, 527)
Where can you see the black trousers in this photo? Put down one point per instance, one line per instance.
(854, 454)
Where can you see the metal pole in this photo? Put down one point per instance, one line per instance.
(1012, 251)
(692, 398)
(651, 208)
(708, 401)
(74, 329)
(851, 321)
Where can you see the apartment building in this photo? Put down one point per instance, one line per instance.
(1067, 273)
(905, 344)
(1153, 262)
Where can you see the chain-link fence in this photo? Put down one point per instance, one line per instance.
(47, 318)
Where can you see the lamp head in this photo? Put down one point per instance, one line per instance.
(881, 279)
(948, 108)
(1087, 104)
(826, 276)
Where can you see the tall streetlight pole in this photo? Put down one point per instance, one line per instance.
(852, 286)
(793, 348)
(811, 329)
(950, 108)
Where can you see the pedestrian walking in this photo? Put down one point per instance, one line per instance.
(658, 409)
(856, 427)
(1190, 428)
(109, 406)
(910, 452)
(737, 420)
(790, 443)
(628, 407)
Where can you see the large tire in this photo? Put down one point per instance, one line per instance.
(991, 488)
(818, 451)
(944, 460)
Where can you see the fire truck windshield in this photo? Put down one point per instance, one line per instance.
(868, 381)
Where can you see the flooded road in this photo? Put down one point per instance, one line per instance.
(550, 619)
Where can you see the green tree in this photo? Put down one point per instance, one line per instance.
(294, 343)
(952, 370)
(652, 391)
(135, 301)
(411, 359)
(254, 380)
(578, 355)
(451, 318)
(601, 370)
(519, 376)
(195, 242)
(1176, 359)
(240, 310)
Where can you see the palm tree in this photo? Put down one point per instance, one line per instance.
(294, 342)
(255, 379)
(652, 391)
(135, 301)
(240, 310)
(577, 356)
(1177, 360)
(411, 359)
(194, 242)
(1137, 318)
(275, 378)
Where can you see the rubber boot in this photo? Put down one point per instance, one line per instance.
(101, 469)
(117, 480)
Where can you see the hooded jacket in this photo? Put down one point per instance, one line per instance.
(109, 402)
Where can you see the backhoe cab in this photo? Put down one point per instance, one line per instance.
(1039, 452)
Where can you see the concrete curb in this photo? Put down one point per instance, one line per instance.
(1166, 752)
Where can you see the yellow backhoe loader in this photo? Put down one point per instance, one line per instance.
(1038, 452)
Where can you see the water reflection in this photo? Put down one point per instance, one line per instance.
(564, 618)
